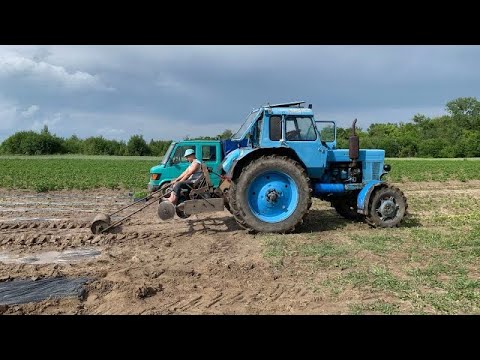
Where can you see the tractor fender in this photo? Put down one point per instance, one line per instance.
(364, 195)
(240, 157)
(233, 157)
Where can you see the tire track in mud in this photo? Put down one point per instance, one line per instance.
(180, 247)
(59, 238)
(37, 224)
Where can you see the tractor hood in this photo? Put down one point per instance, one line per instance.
(157, 169)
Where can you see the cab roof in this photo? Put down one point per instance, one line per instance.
(290, 108)
(290, 111)
(197, 141)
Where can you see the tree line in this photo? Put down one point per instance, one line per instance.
(456, 134)
(46, 143)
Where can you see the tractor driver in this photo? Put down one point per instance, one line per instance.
(192, 173)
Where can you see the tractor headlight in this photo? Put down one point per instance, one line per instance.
(155, 176)
(387, 167)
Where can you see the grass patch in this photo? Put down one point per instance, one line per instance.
(275, 250)
(377, 278)
(276, 247)
(427, 266)
(379, 306)
(461, 295)
(378, 243)
(327, 254)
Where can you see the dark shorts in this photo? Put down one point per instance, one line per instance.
(181, 185)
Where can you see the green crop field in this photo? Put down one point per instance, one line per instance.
(433, 169)
(43, 173)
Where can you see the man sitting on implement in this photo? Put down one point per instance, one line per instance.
(192, 173)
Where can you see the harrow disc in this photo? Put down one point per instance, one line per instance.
(166, 210)
(100, 223)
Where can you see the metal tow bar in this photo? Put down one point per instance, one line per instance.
(102, 222)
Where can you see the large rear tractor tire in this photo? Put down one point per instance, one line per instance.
(272, 194)
(387, 207)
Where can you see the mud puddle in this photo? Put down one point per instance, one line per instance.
(25, 291)
(51, 257)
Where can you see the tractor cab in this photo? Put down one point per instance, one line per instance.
(280, 123)
(290, 127)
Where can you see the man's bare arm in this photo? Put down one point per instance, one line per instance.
(180, 177)
(189, 171)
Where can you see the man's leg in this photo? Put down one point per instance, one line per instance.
(176, 190)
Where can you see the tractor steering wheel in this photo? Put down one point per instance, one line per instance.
(293, 135)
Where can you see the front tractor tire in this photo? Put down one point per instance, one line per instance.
(346, 207)
(387, 207)
(272, 194)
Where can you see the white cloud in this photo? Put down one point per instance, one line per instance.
(108, 132)
(12, 65)
(8, 115)
(30, 111)
(51, 123)
(170, 83)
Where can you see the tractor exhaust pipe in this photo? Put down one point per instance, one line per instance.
(353, 146)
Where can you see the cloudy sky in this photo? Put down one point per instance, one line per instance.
(168, 92)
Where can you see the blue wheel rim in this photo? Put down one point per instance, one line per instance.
(272, 196)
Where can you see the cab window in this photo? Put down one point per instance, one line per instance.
(179, 152)
(209, 153)
(275, 127)
(300, 128)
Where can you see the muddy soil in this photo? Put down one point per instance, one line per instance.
(205, 264)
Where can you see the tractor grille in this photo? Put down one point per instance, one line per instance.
(376, 171)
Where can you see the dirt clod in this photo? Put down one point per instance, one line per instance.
(146, 291)
(5, 278)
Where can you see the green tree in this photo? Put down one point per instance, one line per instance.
(465, 112)
(32, 143)
(73, 145)
(227, 134)
(158, 147)
(464, 106)
(137, 146)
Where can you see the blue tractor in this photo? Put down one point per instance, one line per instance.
(290, 157)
